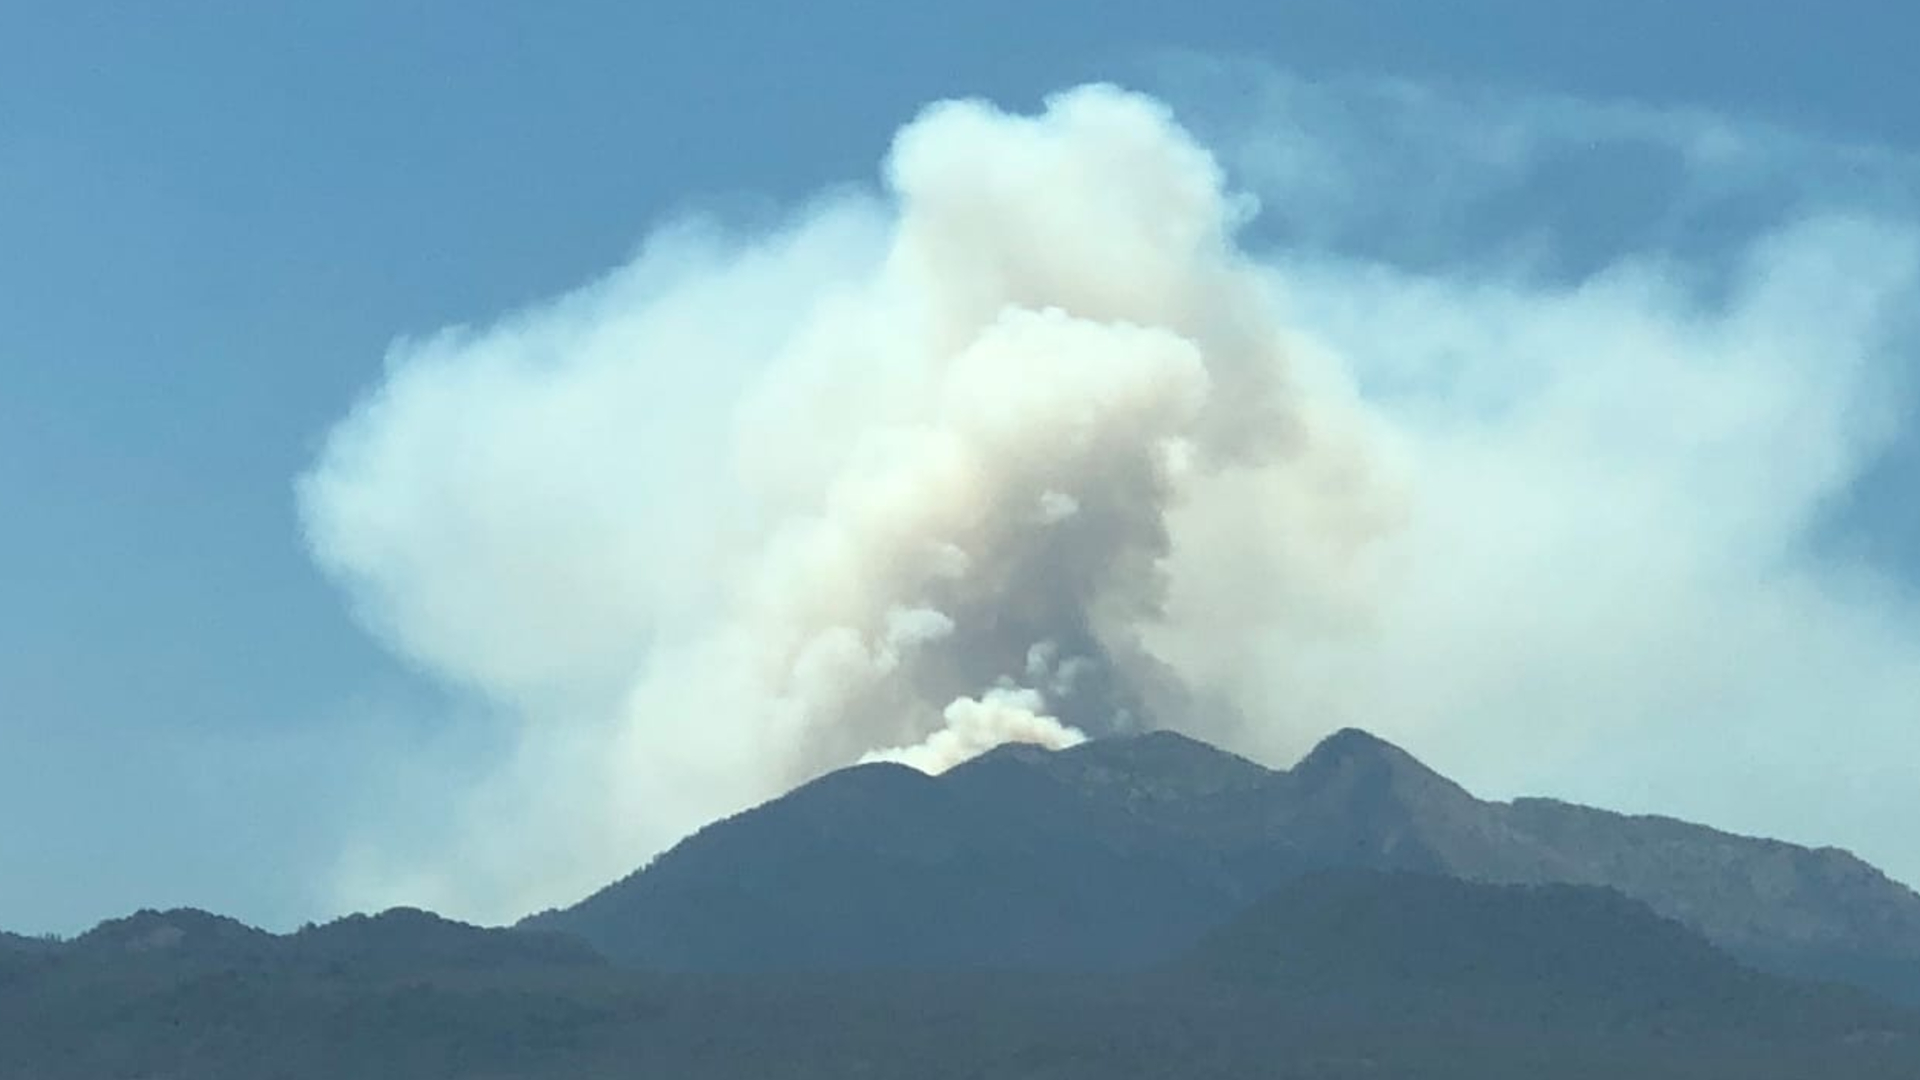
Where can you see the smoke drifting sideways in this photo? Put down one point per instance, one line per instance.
(893, 484)
(1027, 446)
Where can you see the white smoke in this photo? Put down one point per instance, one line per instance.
(1024, 450)
(925, 512)
(976, 725)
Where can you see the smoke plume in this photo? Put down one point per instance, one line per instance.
(1028, 447)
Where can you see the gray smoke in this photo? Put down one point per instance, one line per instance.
(1023, 448)
(956, 467)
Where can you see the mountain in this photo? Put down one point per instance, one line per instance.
(21, 945)
(1337, 975)
(1120, 852)
(180, 937)
(21, 956)
(1551, 953)
(883, 866)
(185, 993)
(165, 944)
(407, 939)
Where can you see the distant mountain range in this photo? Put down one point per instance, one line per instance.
(1337, 975)
(1141, 907)
(402, 939)
(1121, 852)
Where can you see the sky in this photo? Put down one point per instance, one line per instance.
(217, 221)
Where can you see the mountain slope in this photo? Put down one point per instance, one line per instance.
(187, 942)
(1548, 954)
(881, 866)
(1120, 851)
(1338, 975)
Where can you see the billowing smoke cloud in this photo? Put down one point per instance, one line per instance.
(974, 726)
(1028, 447)
(928, 511)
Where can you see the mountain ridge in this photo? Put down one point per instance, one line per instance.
(1176, 835)
(193, 939)
(1338, 974)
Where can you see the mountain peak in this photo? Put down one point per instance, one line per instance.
(1351, 742)
(1351, 755)
(1163, 751)
(21, 943)
(1373, 804)
(401, 936)
(1157, 766)
(179, 932)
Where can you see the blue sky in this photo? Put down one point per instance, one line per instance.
(215, 218)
